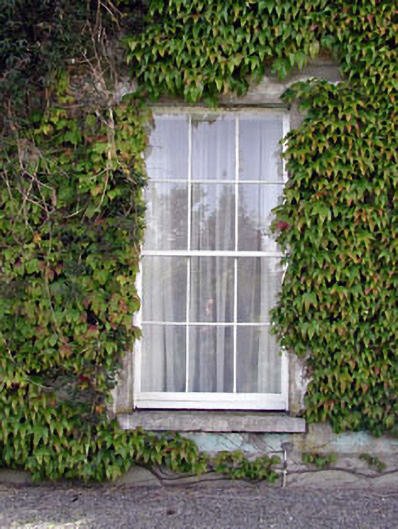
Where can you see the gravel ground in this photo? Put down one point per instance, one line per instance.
(202, 506)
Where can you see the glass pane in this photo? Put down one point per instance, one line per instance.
(212, 289)
(213, 217)
(213, 147)
(259, 283)
(167, 155)
(164, 290)
(258, 361)
(166, 216)
(211, 359)
(163, 357)
(259, 149)
(256, 202)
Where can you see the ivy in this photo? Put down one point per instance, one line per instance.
(374, 462)
(337, 224)
(71, 224)
(319, 461)
(236, 466)
(71, 214)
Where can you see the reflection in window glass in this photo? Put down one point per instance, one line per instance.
(164, 288)
(212, 289)
(211, 359)
(213, 217)
(259, 149)
(258, 361)
(163, 358)
(167, 155)
(259, 283)
(213, 148)
(166, 216)
(256, 202)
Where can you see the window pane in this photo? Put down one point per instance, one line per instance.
(207, 151)
(259, 149)
(256, 202)
(258, 361)
(212, 289)
(163, 357)
(213, 217)
(259, 282)
(211, 359)
(167, 155)
(166, 230)
(164, 291)
(213, 147)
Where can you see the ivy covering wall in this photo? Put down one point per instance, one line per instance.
(338, 223)
(71, 212)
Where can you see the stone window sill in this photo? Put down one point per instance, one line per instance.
(203, 421)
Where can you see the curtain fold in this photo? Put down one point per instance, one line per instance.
(211, 349)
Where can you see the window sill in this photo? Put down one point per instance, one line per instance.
(204, 421)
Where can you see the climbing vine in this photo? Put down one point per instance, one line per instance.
(71, 213)
(338, 221)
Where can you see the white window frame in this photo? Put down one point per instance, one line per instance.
(213, 400)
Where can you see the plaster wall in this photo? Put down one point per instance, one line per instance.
(319, 438)
(348, 468)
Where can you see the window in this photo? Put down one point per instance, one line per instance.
(210, 268)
